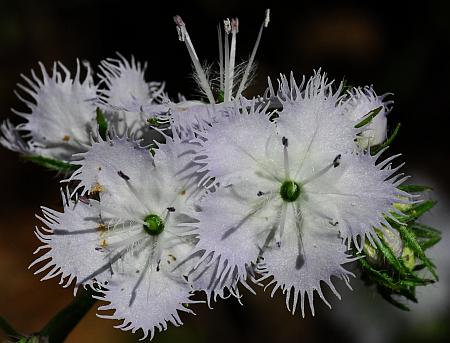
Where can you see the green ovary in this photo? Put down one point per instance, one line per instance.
(154, 225)
(290, 191)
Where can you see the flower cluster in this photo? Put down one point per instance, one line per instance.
(165, 199)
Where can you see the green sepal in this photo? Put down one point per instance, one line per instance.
(409, 238)
(427, 236)
(418, 210)
(389, 256)
(414, 188)
(387, 142)
(368, 117)
(220, 96)
(412, 213)
(52, 164)
(102, 123)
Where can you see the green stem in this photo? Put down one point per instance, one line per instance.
(59, 327)
(7, 328)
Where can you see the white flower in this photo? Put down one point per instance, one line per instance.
(358, 103)
(127, 94)
(61, 117)
(74, 235)
(291, 192)
(139, 232)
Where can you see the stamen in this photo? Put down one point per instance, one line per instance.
(123, 175)
(252, 56)
(234, 31)
(227, 28)
(336, 162)
(282, 224)
(284, 141)
(183, 36)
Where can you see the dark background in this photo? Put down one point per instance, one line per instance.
(399, 48)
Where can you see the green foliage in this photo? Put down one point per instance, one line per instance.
(52, 164)
(153, 121)
(368, 117)
(220, 96)
(397, 276)
(102, 123)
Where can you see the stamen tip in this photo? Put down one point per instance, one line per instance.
(267, 18)
(337, 161)
(178, 21)
(180, 27)
(227, 26)
(235, 25)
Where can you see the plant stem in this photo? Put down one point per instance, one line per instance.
(7, 328)
(59, 327)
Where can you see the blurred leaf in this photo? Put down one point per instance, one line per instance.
(414, 188)
(102, 123)
(52, 164)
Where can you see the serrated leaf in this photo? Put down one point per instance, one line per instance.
(52, 164)
(409, 238)
(368, 117)
(414, 188)
(102, 123)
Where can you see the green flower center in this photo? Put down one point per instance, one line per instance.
(154, 225)
(290, 190)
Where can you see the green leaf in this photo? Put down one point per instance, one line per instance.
(368, 117)
(52, 164)
(414, 188)
(409, 238)
(102, 123)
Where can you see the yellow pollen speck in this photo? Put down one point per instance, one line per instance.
(96, 188)
(103, 243)
(101, 227)
(66, 138)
